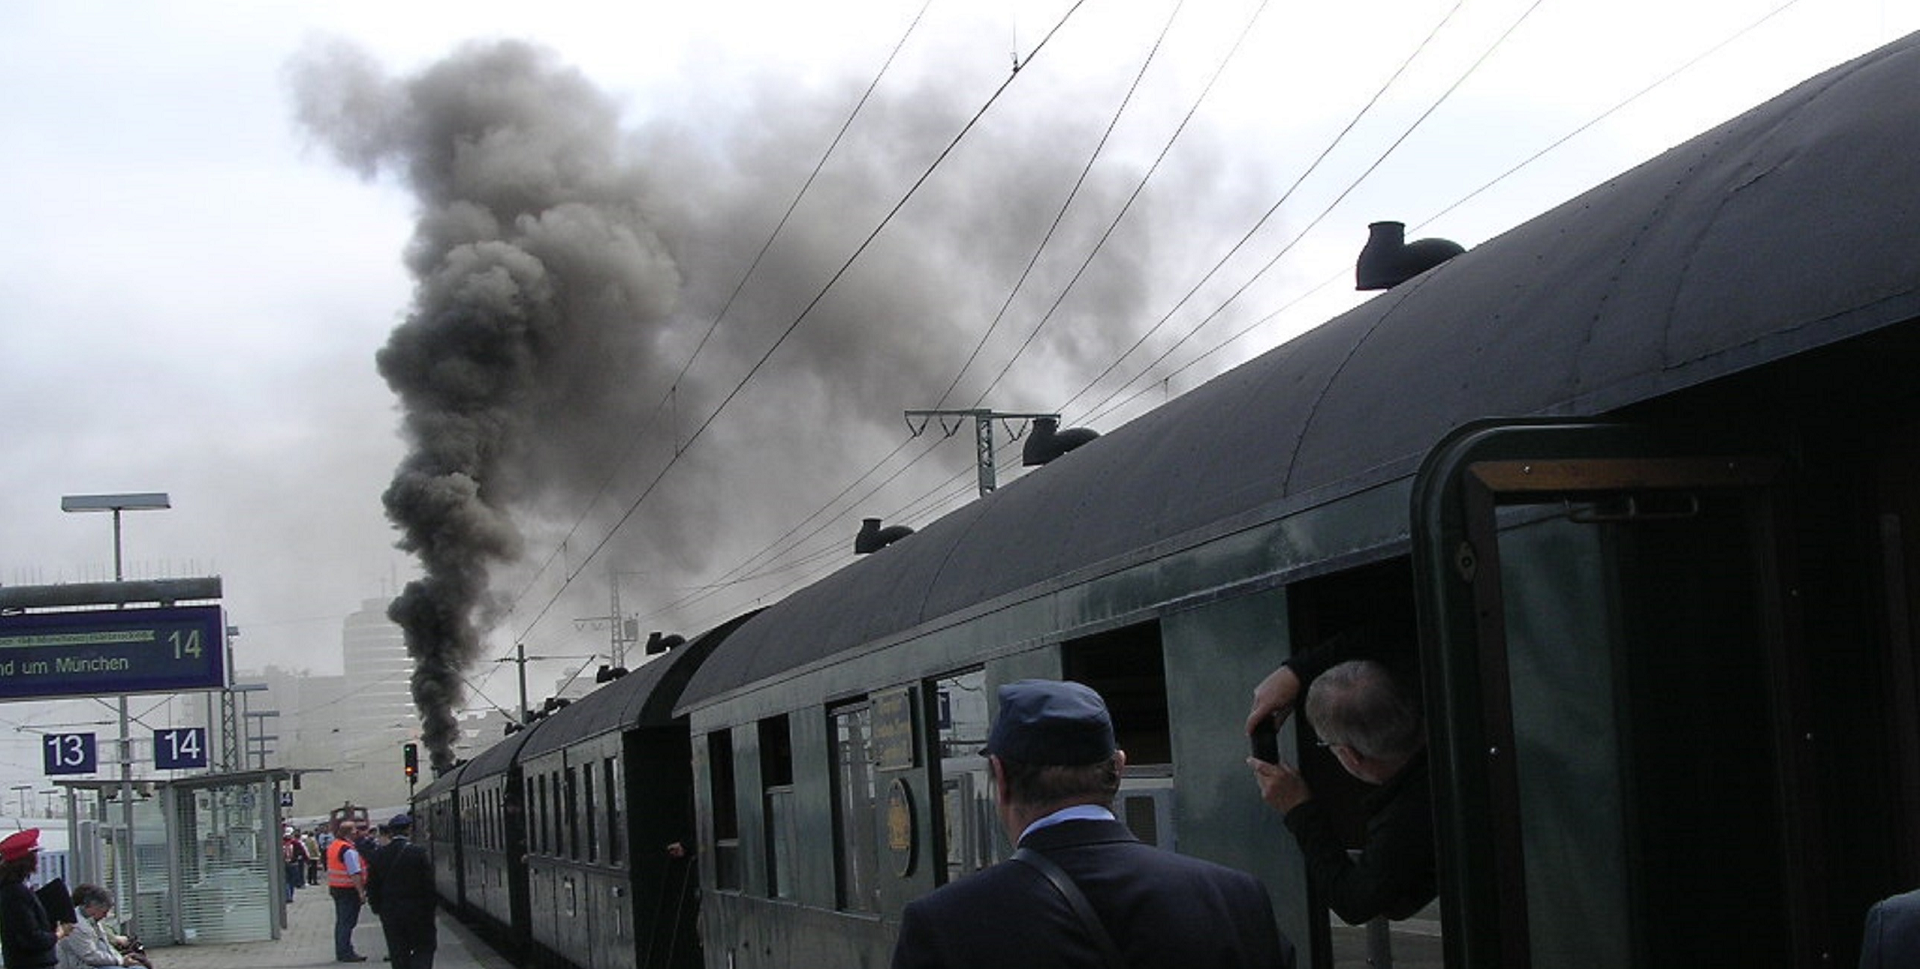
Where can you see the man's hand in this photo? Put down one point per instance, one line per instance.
(1274, 697)
(1281, 786)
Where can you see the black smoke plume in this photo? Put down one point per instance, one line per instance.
(530, 251)
(566, 269)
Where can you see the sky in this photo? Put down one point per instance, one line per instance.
(232, 227)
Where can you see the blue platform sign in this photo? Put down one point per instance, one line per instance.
(180, 748)
(69, 753)
(109, 651)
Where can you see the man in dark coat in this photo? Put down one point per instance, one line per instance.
(400, 891)
(1055, 774)
(1893, 933)
(1365, 714)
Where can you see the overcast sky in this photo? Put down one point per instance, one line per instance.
(197, 280)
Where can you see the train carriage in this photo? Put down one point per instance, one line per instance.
(1637, 479)
(607, 786)
(436, 826)
(493, 843)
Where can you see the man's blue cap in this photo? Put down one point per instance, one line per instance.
(401, 821)
(1051, 722)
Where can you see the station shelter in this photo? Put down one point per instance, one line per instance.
(201, 864)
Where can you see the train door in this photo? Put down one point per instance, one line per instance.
(1610, 656)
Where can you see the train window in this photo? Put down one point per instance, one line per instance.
(971, 832)
(1125, 666)
(616, 806)
(726, 811)
(776, 776)
(857, 860)
(588, 827)
(550, 815)
(540, 817)
(1376, 597)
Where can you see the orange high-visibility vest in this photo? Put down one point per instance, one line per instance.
(337, 875)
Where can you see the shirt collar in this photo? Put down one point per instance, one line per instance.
(1075, 812)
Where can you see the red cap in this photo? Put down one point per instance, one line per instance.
(19, 844)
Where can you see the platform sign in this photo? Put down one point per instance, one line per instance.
(109, 651)
(69, 753)
(180, 748)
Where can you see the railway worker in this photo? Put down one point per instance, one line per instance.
(1893, 933)
(1055, 772)
(1372, 725)
(400, 891)
(27, 935)
(347, 883)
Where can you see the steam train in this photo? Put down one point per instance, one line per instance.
(1639, 480)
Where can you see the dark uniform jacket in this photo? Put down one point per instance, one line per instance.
(400, 882)
(1893, 933)
(26, 934)
(1162, 910)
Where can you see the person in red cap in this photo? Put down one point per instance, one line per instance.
(27, 935)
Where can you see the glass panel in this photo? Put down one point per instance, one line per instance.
(726, 811)
(225, 859)
(1635, 652)
(971, 828)
(588, 820)
(857, 862)
(571, 847)
(776, 779)
(616, 808)
(1562, 681)
(784, 835)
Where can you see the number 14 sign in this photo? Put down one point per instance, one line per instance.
(180, 748)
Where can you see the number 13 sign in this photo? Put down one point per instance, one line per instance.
(70, 753)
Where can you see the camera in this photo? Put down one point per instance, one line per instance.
(1265, 741)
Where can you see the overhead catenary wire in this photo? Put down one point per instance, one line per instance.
(665, 404)
(1111, 405)
(794, 325)
(1127, 206)
(1351, 186)
(1066, 204)
(1273, 209)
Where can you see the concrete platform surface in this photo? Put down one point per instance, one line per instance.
(307, 943)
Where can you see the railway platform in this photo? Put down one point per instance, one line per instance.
(307, 943)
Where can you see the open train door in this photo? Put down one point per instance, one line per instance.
(1610, 648)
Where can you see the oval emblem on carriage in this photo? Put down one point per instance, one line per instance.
(900, 837)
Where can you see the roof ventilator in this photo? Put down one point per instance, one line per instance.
(659, 642)
(873, 538)
(1388, 259)
(1048, 441)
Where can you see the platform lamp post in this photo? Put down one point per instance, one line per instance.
(138, 501)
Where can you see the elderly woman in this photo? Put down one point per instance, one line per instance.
(89, 943)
